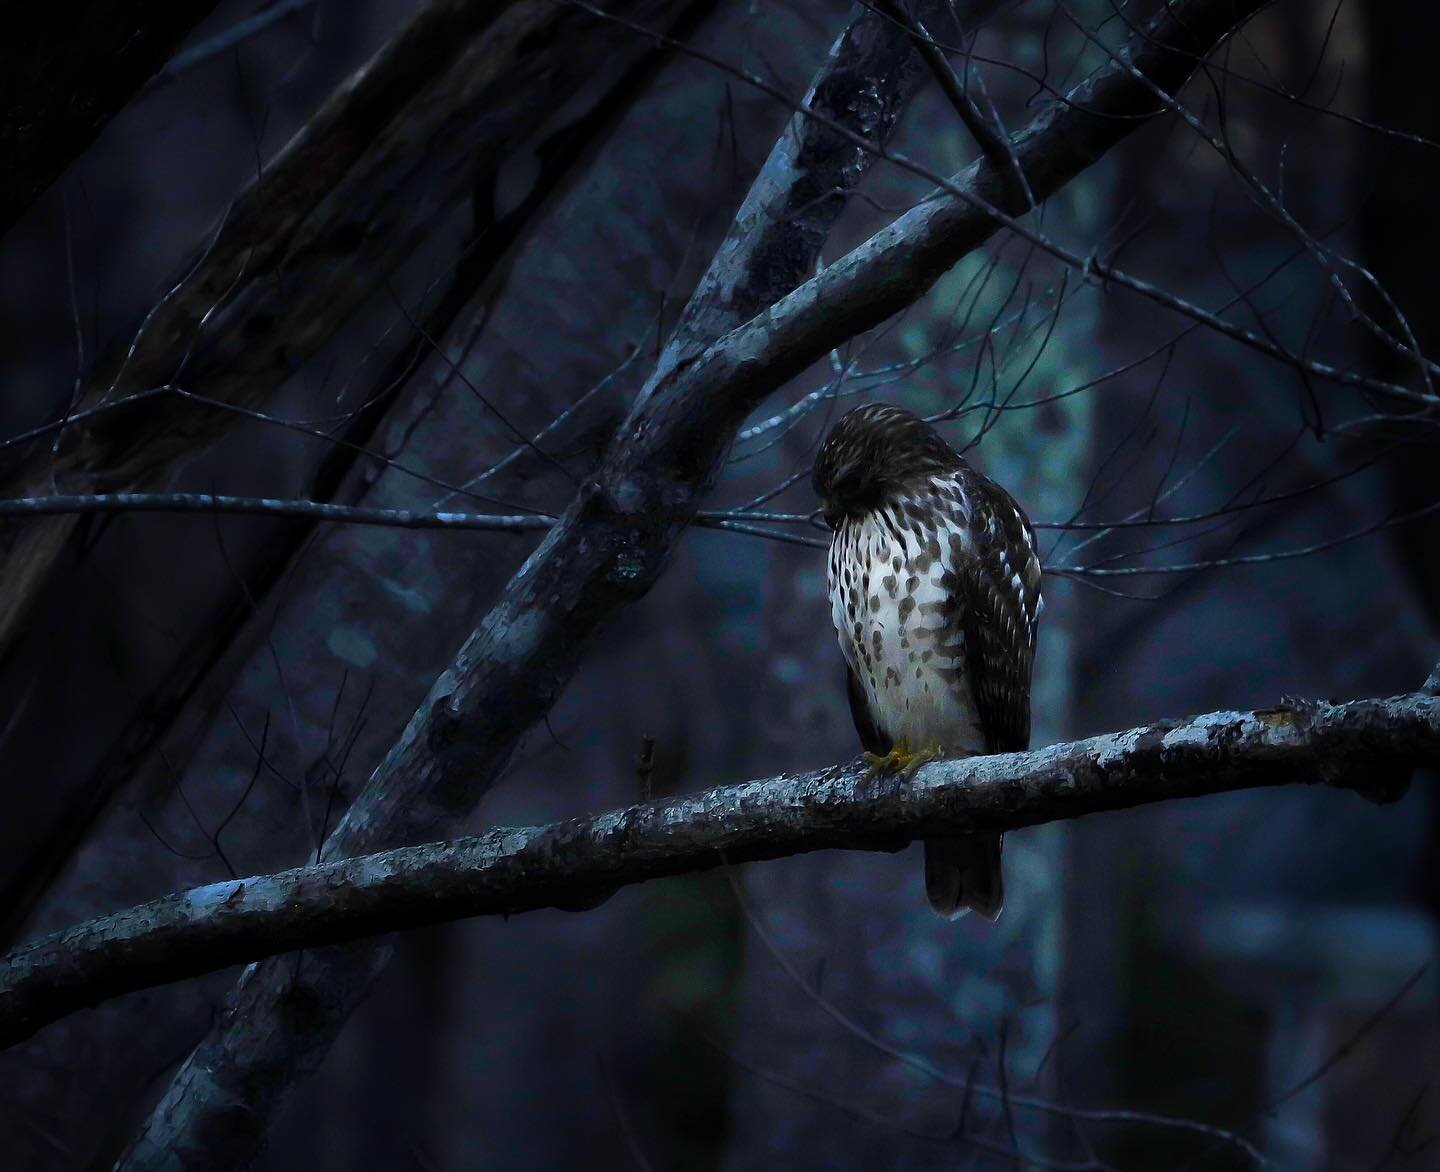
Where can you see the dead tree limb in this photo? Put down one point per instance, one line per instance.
(1365, 745)
(606, 552)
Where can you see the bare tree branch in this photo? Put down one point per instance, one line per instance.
(261, 506)
(732, 521)
(65, 71)
(997, 211)
(796, 199)
(986, 134)
(607, 551)
(1365, 745)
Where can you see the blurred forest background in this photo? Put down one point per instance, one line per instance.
(190, 697)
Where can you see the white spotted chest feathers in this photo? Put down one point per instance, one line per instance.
(895, 599)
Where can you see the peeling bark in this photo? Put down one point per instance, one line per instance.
(1367, 745)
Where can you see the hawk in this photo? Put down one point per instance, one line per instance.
(935, 595)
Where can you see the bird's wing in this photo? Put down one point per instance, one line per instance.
(872, 740)
(1000, 587)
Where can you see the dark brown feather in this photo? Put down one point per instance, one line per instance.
(999, 617)
(872, 740)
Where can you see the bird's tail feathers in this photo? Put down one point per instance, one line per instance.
(963, 874)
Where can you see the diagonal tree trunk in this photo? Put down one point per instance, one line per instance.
(805, 175)
(416, 597)
(342, 205)
(608, 549)
(201, 674)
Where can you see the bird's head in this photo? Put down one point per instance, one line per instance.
(873, 452)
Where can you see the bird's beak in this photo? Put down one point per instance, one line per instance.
(832, 512)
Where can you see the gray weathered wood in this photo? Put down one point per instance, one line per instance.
(1366, 745)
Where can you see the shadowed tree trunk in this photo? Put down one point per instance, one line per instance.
(432, 117)
(192, 688)
(199, 729)
(1402, 247)
(1134, 901)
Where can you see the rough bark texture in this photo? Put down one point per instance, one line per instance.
(607, 551)
(67, 69)
(1366, 745)
(309, 240)
(796, 199)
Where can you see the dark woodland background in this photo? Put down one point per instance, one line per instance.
(1204, 959)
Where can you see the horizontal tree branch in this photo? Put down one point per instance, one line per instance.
(730, 520)
(263, 506)
(341, 514)
(1365, 745)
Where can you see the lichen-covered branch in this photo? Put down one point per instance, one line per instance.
(1367, 745)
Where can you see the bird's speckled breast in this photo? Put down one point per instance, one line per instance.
(896, 599)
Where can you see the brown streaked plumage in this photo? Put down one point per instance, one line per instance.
(935, 596)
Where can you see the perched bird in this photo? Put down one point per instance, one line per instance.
(935, 595)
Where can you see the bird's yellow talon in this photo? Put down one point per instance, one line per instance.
(923, 756)
(902, 761)
(895, 761)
